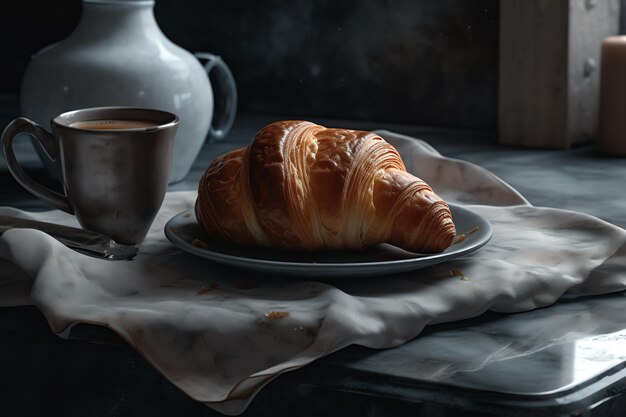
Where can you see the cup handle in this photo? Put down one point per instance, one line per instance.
(48, 144)
(226, 97)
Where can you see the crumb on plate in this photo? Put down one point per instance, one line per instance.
(462, 237)
(199, 244)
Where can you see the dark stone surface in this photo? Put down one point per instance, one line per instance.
(43, 374)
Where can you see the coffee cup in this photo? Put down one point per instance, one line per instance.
(115, 165)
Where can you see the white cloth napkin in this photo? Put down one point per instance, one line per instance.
(218, 346)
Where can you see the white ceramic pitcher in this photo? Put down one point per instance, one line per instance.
(118, 56)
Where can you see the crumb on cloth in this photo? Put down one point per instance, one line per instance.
(459, 273)
(275, 315)
(212, 286)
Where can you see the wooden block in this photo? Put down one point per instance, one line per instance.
(549, 75)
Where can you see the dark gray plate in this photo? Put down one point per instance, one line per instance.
(381, 259)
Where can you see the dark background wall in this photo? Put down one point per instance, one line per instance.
(421, 62)
(429, 62)
(409, 61)
(426, 62)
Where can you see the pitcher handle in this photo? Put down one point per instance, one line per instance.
(48, 144)
(225, 99)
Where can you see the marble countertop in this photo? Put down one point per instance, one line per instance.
(567, 359)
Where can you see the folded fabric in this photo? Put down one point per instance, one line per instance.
(208, 328)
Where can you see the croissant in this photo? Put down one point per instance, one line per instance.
(302, 186)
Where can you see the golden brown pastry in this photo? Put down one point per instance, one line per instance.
(302, 186)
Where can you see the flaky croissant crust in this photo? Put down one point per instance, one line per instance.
(302, 186)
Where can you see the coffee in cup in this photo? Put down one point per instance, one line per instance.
(114, 124)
